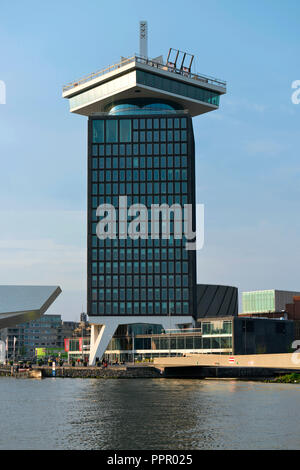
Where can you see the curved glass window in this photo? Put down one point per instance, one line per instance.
(141, 106)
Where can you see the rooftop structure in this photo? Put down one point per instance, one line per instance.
(141, 77)
(20, 304)
(264, 301)
(216, 301)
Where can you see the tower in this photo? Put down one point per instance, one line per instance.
(140, 151)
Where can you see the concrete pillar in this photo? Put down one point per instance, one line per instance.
(100, 338)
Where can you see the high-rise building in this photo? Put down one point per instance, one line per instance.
(141, 152)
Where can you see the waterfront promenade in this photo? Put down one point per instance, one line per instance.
(192, 366)
(273, 361)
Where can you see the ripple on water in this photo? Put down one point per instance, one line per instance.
(148, 414)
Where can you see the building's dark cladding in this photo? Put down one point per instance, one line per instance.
(262, 335)
(150, 159)
(216, 301)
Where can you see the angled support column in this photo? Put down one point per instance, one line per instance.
(100, 338)
(103, 329)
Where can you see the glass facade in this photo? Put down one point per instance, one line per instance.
(212, 336)
(79, 344)
(217, 327)
(149, 159)
(236, 335)
(178, 87)
(165, 342)
(142, 106)
(258, 301)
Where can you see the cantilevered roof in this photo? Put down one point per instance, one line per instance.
(20, 304)
(138, 77)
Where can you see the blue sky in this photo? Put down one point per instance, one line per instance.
(247, 153)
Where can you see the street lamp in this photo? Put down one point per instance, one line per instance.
(170, 312)
(82, 343)
(132, 347)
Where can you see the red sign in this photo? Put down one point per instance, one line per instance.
(67, 344)
(80, 344)
(231, 359)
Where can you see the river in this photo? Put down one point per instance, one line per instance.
(164, 414)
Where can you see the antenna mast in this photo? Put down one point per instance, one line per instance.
(144, 39)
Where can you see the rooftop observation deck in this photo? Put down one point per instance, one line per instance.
(150, 78)
(204, 79)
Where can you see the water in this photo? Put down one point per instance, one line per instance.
(148, 414)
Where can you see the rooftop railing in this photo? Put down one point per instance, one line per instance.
(152, 63)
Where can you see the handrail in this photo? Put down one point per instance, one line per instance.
(98, 73)
(145, 61)
(184, 73)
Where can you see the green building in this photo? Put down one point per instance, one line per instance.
(43, 353)
(264, 301)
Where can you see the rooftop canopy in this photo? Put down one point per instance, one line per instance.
(20, 304)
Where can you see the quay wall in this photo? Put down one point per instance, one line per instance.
(209, 372)
(100, 373)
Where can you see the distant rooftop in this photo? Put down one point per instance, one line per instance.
(150, 62)
(264, 301)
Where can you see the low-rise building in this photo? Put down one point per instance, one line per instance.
(219, 335)
(267, 301)
(48, 331)
(274, 304)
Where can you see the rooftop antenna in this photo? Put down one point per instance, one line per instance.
(144, 39)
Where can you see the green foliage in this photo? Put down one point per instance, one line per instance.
(288, 378)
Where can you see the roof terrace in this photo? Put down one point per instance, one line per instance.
(204, 79)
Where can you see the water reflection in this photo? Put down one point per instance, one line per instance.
(148, 414)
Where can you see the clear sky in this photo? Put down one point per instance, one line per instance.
(247, 152)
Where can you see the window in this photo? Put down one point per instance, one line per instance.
(180, 88)
(98, 131)
(112, 130)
